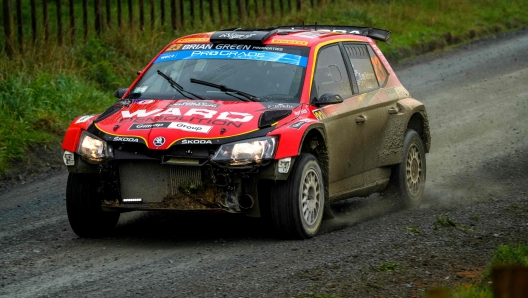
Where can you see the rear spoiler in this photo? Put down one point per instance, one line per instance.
(374, 33)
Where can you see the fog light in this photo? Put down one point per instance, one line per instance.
(284, 165)
(68, 158)
(133, 200)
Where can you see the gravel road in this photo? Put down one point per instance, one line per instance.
(477, 101)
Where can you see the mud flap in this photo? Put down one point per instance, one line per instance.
(327, 212)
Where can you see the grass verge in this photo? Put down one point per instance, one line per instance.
(505, 254)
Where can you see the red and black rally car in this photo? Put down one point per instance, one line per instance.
(277, 122)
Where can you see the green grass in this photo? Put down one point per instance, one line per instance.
(509, 255)
(415, 230)
(42, 90)
(473, 291)
(512, 254)
(445, 221)
(387, 267)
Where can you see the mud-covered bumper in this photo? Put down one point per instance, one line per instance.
(150, 184)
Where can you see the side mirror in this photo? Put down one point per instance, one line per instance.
(328, 99)
(139, 72)
(120, 92)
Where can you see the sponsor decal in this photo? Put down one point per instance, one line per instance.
(194, 104)
(149, 126)
(294, 42)
(190, 127)
(319, 114)
(166, 57)
(204, 113)
(309, 35)
(194, 142)
(159, 141)
(234, 54)
(267, 48)
(84, 119)
(145, 101)
(340, 31)
(194, 39)
(173, 47)
(236, 36)
(303, 111)
(378, 69)
(140, 89)
(223, 46)
(215, 122)
(138, 113)
(298, 124)
(274, 106)
(126, 139)
(251, 55)
(233, 47)
(199, 46)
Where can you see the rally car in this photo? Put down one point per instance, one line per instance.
(277, 122)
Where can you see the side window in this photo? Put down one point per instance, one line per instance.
(362, 66)
(330, 74)
(379, 69)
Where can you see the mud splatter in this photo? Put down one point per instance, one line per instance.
(110, 202)
(197, 199)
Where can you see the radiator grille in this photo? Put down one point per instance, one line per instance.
(153, 181)
(182, 175)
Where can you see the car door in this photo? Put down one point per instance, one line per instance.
(374, 105)
(344, 135)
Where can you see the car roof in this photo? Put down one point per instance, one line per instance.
(308, 36)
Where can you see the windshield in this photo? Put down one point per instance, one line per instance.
(268, 73)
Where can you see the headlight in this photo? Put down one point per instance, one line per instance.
(246, 152)
(91, 148)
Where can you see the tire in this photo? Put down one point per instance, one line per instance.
(83, 205)
(297, 204)
(408, 177)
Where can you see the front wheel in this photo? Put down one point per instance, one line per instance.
(297, 204)
(83, 205)
(409, 176)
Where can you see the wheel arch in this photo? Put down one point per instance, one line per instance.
(419, 123)
(314, 141)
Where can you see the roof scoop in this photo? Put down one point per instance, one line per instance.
(268, 118)
(249, 36)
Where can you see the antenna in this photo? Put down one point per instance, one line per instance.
(315, 26)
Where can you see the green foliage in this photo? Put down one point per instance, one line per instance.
(35, 110)
(510, 255)
(473, 291)
(504, 255)
(444, 221)
(413, 229)
(388, 267)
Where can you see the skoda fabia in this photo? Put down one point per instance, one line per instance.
(277, 122)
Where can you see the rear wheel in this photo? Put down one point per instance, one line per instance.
(83, 205)
(297, 204)
(409, 176)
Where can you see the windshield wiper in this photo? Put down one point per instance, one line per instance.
(177, 86)
(226, 89)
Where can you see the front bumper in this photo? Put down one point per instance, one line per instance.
(140, 180)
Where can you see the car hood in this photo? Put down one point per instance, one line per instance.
(162, 123)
